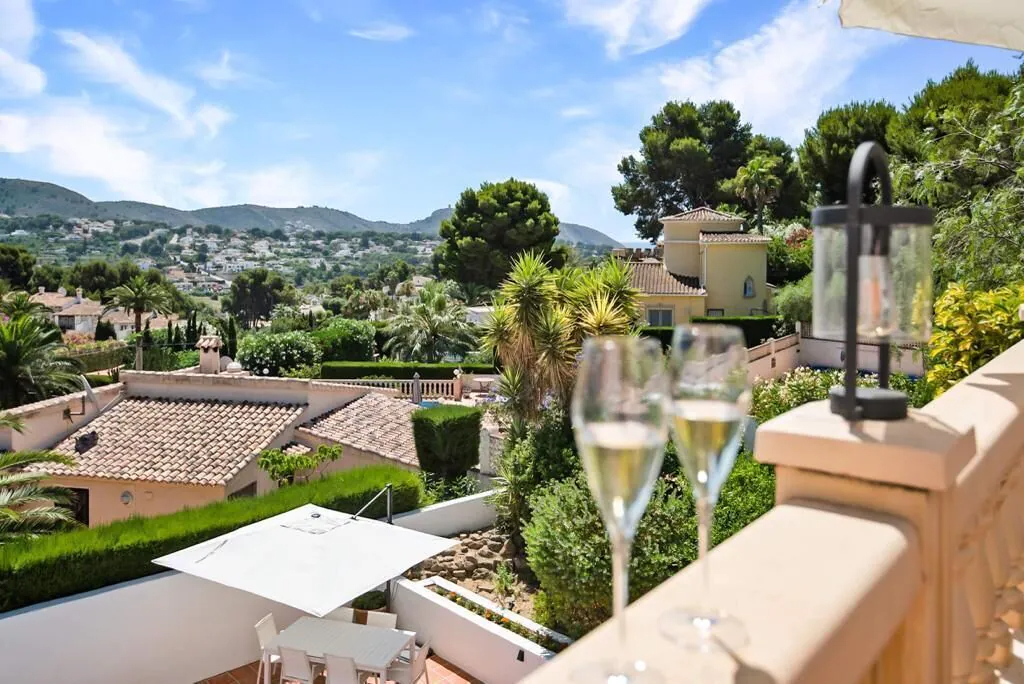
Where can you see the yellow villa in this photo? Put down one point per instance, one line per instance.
(705, 265)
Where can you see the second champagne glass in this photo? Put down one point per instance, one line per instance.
(619, 416)
(710, 398)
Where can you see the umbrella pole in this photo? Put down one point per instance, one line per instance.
(391, 521)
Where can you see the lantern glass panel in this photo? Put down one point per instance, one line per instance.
(895, 291)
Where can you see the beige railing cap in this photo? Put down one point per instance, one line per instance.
(921, 451)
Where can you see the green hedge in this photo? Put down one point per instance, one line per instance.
(62, 564)
(447, 438)
(108, 355)
(756, 329)
(343, 339)
(97, 380)
(351, 370)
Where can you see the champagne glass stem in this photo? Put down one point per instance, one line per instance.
(705, 512)
(622, 547)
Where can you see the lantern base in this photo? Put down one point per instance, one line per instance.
(873, 403)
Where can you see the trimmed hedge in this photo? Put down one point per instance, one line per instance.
(101, 356)
(66, 563)
(400, 370)
(756, 329)
(447, 438)
(97, 380)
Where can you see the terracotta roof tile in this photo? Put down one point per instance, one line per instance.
(84, 308)
(744, 238)
(202, 442)
(703, 215)
(296, 448)
(651, 277)
(374, 423)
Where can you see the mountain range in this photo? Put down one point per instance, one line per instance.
(30, 198)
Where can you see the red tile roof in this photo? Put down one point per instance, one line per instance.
(187, 441)
(373, 422)
(652, 278)
(703, 215)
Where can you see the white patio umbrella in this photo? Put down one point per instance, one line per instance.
(999, 23)
(312, 558)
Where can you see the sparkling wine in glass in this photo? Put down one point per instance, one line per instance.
(710, 398)
(620, 419)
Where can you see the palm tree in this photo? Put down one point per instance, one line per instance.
(20, 303)
(541, 318)
(138, 296)
(758, 184)
(472, 294)
(32, 362)
(27, 506)
(431, 327)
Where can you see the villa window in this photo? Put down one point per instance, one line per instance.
(660, 318)
(748, 287)
(66, 322)
(79, 504)
(716, 312)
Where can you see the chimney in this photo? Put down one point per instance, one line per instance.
(209, 354)
(42, 290)
(78, 295)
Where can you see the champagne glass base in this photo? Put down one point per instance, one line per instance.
(612, 672)
(710, 631)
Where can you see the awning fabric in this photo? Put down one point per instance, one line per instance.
(312, 558)
(999, 23)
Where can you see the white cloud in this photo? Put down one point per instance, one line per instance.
(781, 76)
(18, 76)
(577, 112)
(104, 60)
(508, 23)
(634, 26)
(383, 32)
(223, 72)
(297, 183)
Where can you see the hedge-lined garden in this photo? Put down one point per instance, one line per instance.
(447, 438)
(63, 564)
(353, 370)
(756, 329)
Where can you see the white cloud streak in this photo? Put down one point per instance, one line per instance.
(780, 77)
(634, 26)
(383, 32)
(223, 72)
(18, 76)
(577, 112)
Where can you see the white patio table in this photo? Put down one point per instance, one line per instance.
(372, 648)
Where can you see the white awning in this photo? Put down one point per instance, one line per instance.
(312, 558)
(999, 23)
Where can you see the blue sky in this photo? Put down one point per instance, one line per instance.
(389, 108)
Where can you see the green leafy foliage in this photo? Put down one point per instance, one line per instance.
(287, 468)
(97, 380)
(16, 264)
(758, 184)
(795, 301)
(447, 438)
(344, 339)
(37, 570)
(351, 370)
(430, 328)
(33, 365)
(828, 147)
(255, 293)
(438, 489)
(789, 260)
(541, 639)
(971, 328)
(273, 353)
(489, 227)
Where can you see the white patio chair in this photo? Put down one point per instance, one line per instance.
(375, 618)
(410, 673)
(342, 614)
(295, 666)
(342, 670)
(266, 629)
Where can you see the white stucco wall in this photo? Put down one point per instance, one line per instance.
(774, 358)
(44, 422)
(829, 354)
(476, 645)
(468, 514)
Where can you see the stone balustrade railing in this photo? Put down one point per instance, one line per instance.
(895, 552)
(429, 389)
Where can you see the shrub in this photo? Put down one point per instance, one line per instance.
(795, 301)
(105, 331)
(439, 489)
(272, 353)
(567, 547)
(971, 329)
(447, 438)
(97, 380)
(100, 355)
(351, 370)
(344, 339)
(773, 397)
(284, 468)
(38, 570)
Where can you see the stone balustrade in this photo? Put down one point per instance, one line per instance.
(895, 551)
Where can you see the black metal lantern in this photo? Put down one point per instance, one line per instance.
(872, 282)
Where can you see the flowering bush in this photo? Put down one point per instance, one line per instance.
(274, 353)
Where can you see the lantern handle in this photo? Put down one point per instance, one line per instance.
(869, 156)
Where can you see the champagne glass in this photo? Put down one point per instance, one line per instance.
(710, 398)
(620, 419)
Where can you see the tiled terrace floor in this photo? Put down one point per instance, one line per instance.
(439, 671)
